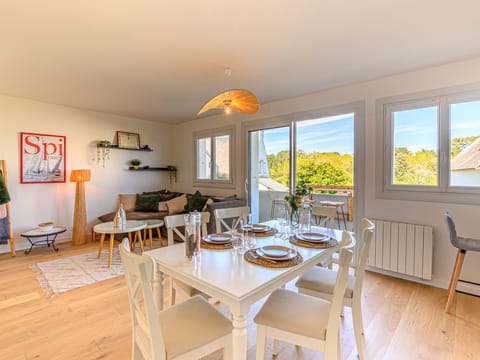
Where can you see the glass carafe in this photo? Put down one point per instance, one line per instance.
(305, 217)
(192, 235)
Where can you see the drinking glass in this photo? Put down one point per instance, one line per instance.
(238, 243)
(282, 216)
(250, 241)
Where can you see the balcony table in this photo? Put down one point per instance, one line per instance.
(232, 280)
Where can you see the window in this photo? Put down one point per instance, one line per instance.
(431, 145)
(213, 150)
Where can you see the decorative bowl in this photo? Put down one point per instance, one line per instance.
(46, 226)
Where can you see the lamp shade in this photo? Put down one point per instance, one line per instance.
(237, 99)
(80, 175)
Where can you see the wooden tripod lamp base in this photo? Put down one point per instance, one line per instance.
(79, 232)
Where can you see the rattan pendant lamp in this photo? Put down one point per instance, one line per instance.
(240, 100)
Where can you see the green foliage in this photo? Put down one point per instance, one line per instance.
(459, 144)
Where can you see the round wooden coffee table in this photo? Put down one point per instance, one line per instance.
(108, 228)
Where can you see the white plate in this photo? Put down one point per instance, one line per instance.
(276, 252)
(218, 238)
(258, 228)
(313, 237)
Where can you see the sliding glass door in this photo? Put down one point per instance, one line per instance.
(268, 168)
(317, 150)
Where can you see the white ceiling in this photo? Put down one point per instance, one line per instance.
(162, 60)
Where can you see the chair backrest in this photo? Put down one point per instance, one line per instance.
(173, 222)
(452, 232)
(344, 261)
(363, 248)
(324, 216)
(139, 274)
(230, 218)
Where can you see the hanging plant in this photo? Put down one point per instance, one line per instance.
(103, 151)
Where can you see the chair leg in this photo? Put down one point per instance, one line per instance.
(358, 327)
(454, 280)
(261, 339)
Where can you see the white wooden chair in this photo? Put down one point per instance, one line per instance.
(235, 214)
(324, 216)
(304, 320)
(172, 223)
(189, 330)
(320, 282)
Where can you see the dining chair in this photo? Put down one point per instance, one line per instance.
(230, 218)
(189, 330)
(320, 282)
(173, 223)
(302, 319)
(324, 216)
(462, 244)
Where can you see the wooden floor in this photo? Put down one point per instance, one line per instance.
(403, 320)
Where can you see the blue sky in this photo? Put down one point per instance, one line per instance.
(323, 135)
(415, 129)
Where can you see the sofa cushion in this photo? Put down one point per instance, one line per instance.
(196, 202)
(222, 199)
(177, 205)
(135, 215)
(128, 201)
(163, 191)
(166, 196)
(146, 202)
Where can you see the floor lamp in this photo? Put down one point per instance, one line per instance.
(79, 232)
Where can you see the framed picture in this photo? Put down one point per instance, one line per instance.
(128, 140)
(42, 158)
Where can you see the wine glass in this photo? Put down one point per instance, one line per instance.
(282, 220)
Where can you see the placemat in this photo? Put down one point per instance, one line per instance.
(252, 257)
(270, 232)
(206, 245)
(322, 245)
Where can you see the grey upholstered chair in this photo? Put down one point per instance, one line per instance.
(462, 244)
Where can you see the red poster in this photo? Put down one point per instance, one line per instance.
(42, 158)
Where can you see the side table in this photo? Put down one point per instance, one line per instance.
(152, 224)
(108, 228)
(50, 237)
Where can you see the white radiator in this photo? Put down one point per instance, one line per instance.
(402, 248)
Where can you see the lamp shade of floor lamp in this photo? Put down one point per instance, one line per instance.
(79, 232)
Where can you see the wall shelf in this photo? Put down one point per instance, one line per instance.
(145, 148)
(142, 168)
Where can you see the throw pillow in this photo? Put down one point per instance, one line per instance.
(162, 206)
(146, 203)
(128, 201)
(177, 205)
(196, 202)
(166, 197)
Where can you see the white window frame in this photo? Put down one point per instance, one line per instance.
(443, 192)
(212, 134)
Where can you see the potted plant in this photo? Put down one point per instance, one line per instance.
(135, 163)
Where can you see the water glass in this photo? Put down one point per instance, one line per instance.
(238, 243)
(250, 241)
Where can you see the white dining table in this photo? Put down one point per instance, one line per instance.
(228, 277)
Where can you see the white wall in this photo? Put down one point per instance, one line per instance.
(34, 203)
(467, 216)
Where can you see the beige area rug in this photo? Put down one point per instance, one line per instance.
(58, 276)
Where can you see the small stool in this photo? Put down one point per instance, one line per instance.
(276, 204)
(150, 225)
(337, 205)
(462, 244)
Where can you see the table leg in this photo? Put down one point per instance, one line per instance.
(138, 234)
(159, 236)
(157, 288)
(110, 251)
(102, 238)
(132, 244)
(239, 335)
(150, 236)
